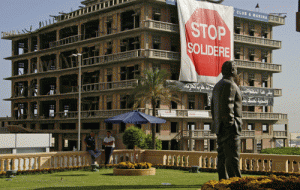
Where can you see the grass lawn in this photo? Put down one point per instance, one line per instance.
(104, 179)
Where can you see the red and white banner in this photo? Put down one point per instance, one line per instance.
(206, 34)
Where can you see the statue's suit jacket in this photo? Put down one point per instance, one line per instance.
(226, 108)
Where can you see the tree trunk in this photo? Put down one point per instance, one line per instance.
(153, 125)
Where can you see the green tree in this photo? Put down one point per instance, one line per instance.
(133, 136)
(153, 87)
(147, 143)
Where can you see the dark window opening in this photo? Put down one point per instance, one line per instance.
(91, 126)
(33, 110)
(265, 128)
(264, 84)
(66, 59)
(174, 127)
(109, 48)
(251, 126)
(138, 126)
(90, 78)
(34, 44)
(126, 102)
(251, 82)
(47, 109)
(156, 42)
(191, 102)
(191, 126)
(47, 39)
(173, 105)
(109, 126)
(90, 29)
(21, 47)
(122, 127)
(109, 78)
(157, 128)
(90, 52)
(47, 126)
(109, 105)
(90, 104)
(68, 126)
(251, 108)
(20, 67)
(68, 84)
(156, 14)
(130, 44)
(32, 126)
(48, 86)
(109, 25)
(131, 72)
(21, 89)
(68, 107)
(48, 62)
(33, 68)
(130, 20)
(68, 32)
(20, 111)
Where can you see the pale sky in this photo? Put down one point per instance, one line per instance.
(21, 14)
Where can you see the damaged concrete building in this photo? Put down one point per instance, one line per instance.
(118, 39)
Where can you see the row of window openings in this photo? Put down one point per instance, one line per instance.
(251, 56)
(265, 127)
(130, 20)
(251, 31)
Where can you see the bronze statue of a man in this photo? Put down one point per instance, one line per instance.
(226, 110)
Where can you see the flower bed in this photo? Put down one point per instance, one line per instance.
(272, 182)
(134, 169)
(129, 165)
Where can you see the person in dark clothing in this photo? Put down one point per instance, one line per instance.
(226, 111)
(91, 148)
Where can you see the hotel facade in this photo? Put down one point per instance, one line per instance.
(117, 40)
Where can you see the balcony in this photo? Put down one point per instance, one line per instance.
(278, 118)
(134, 54)
(206, 134)
(257, 41)
(276, 20)
(158, 25)
(258, 66)
(67, 40)
(280, 134)
(97, 87)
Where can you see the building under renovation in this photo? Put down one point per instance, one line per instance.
(117, 40)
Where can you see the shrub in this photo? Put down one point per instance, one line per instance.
(133, 136)
(147, 143)
(282, 151)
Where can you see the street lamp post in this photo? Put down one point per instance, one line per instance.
(79, 55)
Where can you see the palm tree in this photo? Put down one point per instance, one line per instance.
(153, 87)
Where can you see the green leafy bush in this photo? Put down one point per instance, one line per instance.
(133, 136)
(147, 143)
(282, 151)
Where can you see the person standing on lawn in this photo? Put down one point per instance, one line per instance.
(109, 143)
(226, 111)
(91, 148)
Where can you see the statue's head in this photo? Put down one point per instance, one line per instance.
(229, 69)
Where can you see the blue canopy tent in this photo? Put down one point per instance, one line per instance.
(134, 117)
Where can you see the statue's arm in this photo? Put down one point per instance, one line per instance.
(228, 96)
